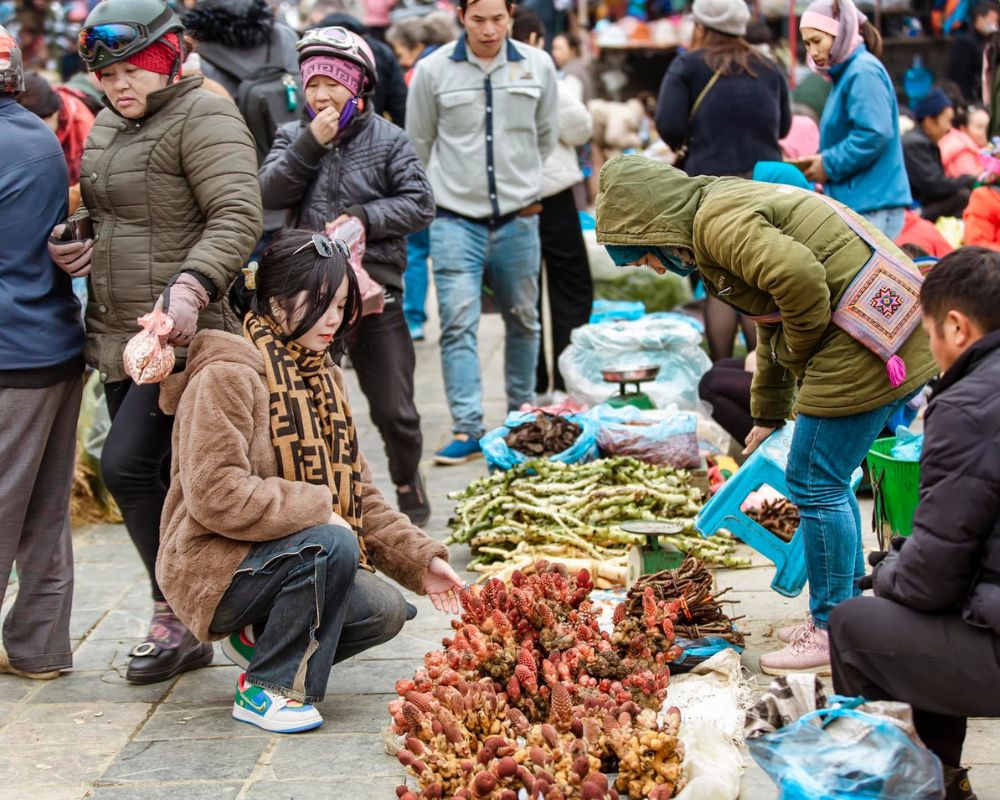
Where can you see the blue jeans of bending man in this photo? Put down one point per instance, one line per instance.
(509, 257)
(310, 607)
(824, 454)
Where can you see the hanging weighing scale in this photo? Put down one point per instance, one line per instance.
(635, 376)
(653, 556)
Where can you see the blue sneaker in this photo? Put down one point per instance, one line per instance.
(272, 711)
(416, 332)
(459, 451)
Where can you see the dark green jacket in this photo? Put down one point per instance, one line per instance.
(763, 248)
(174, 191)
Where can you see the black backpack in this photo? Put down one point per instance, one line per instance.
(268, 95)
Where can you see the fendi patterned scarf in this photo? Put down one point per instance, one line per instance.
(311, 425)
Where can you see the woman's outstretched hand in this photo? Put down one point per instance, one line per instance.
(442, 584)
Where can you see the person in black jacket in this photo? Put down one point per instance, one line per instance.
(362, 166)
(390, 93)
(965, 67)
(729, 105)
(931, 635)
(939, 195)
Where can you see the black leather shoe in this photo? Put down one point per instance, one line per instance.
(154, 661)
(956, 784)
(412, 501)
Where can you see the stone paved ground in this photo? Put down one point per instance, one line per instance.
(91, 735)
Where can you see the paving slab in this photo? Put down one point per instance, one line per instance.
(104, 687)
(185, 760)
(48, 765)
(31, 791)
(325, 756)
(185, 790)
(355, 789)
(109, 724)
(14, 689)
(370, 677)
(213, 686)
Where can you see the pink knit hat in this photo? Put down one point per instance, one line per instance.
(346, 73)
(840, 19)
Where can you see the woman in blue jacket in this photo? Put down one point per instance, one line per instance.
(861, 155)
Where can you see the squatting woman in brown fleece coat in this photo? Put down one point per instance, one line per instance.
(272, 527)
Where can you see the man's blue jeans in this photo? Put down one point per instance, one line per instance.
(510, 257)
(824, 454)
(418, 250)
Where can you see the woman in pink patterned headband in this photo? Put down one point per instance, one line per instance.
(343, 167)
(860, 162)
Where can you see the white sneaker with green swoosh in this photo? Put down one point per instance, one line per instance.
(272, 711)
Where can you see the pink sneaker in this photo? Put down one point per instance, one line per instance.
(789, 632)
(809, 651)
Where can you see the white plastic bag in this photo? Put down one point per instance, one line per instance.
(668, 340)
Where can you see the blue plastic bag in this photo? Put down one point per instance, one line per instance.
(499, 455)
(698, 651)
(610, 310)
(867, 757)
(908, 445)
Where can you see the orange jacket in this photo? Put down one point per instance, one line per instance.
(982, 218)
(75, 122)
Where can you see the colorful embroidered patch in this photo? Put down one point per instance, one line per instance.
(886, 301)
(881, 307)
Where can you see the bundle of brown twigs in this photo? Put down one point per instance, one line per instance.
(699, 611)
(780, 517)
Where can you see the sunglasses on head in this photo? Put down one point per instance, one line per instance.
(325, 246)
(115, 38)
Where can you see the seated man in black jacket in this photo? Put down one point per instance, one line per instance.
(939, 195)
(931, 635)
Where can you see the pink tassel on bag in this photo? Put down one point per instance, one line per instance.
(896, 368)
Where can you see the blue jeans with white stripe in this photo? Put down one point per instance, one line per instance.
(310, 607)
(509, 257)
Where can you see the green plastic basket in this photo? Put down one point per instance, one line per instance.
(896, 485)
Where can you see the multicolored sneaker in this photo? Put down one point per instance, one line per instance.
(272, 711)
(809, 651)
(239, 647)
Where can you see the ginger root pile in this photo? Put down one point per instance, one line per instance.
(530, 694)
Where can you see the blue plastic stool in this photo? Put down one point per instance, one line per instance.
(766, 465)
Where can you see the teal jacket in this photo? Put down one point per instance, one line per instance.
(859, 137)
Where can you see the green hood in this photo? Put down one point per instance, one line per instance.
(644, 202)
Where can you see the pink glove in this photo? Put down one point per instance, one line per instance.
(183, 300)
(72, 257)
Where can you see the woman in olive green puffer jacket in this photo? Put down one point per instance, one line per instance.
(169, 181)
(772, 250)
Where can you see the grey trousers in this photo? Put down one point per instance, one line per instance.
(37, 456)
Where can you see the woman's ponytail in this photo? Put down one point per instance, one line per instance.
(873, 39)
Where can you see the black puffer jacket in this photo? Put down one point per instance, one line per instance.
(952, 560)
(371, 171)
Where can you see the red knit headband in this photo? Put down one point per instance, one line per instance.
(162, 56)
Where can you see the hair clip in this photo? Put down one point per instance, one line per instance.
(250, 275)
